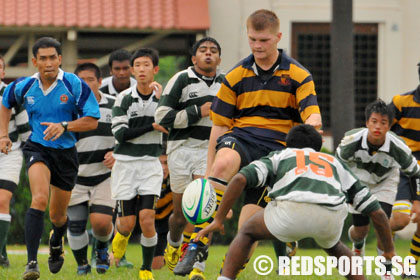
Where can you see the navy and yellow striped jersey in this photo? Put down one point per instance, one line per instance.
(265, 111)
(164, 205)
(406, 122)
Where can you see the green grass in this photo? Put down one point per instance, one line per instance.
(134, 255)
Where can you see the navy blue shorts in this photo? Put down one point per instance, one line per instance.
(248, 152)
(405, 189)
(133, 206)
(62, 163)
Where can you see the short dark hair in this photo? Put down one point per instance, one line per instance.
(88, 66)
(201, 41)
(44, 43)
(153, 54)
(304, 136)
(118, 55)
(380, 107)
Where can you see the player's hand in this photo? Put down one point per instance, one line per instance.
(53, 131)
(109, 160)
(113, 260)
(214, 226)
(159, 128)
(316, 121)
(205, 109)
(415, 212)
(157, 87)
(5, 144)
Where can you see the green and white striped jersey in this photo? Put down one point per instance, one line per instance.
(130, 111)
(94, 144)
(303, 175)
(179, 109)
(19, 129)
(374, 167)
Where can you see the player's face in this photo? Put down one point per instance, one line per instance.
(164, 162)
(143, 70)
(47, 61)
(263, 43)
(120, 71)
(1, 69)
(378, 125)
(206, 59)
(89, 77)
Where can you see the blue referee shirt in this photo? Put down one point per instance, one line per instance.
(67, 99)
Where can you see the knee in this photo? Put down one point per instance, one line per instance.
(399, 221)
(57, 218)
(77, 228)
(4, 204)
(147, 222)
(125, 228)
(39, 201)
(101, 227)
(358, 233)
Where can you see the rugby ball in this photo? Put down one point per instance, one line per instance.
(199, 201)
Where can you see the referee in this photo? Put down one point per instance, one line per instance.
(58, 105)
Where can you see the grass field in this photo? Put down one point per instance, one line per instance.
(68, 271)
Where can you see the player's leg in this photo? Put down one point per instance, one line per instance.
(124, 225)
(101, 211)
(253, 229)
(77, 234)
(162, 229)
(149, 238)
(179, 164)
(10, 167)
(388, 211)
(339, 250)
(358, 232)
(5, 219)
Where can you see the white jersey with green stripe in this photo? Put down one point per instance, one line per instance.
(373, 167)
(94, 144)
(19, 129)
(131, 111)
(307, 176)
(180, 109)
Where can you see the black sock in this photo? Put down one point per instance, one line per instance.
(101, 245)
(279, 248)
(58, 233)
(34, 225)
(81, 255)
(148, 254)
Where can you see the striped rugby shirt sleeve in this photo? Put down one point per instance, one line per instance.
(223, 106)
(167, 114)
(22, 123)
(120, 117)
(403, 155)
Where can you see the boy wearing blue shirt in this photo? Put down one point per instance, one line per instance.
(58, 105)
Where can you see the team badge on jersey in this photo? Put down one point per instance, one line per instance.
(30, 100)
(64, 98)
(285, 80)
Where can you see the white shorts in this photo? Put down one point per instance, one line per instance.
(385, 191)
(98, 195)
(136, 177)
(10, 166)
(183, 163)
(289, 221)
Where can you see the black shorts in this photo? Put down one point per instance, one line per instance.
(162, 225)
(248, 153)
(405, 189)
(362, 220)
(8, 185)
(62, 163)
(133, 206)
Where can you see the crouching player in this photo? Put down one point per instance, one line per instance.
(302, 181)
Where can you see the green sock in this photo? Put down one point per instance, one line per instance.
(359, 244)
(94, 243)
(148, 246)
(4, 230)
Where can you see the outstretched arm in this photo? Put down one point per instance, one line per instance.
(5, 142)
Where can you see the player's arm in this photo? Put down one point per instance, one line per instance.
(55, 130)
(216, 132)
(5, 142)
(382, 227)
(315, 120)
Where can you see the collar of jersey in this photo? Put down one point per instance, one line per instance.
(383, 148)
(191, 73)
(60, 76)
